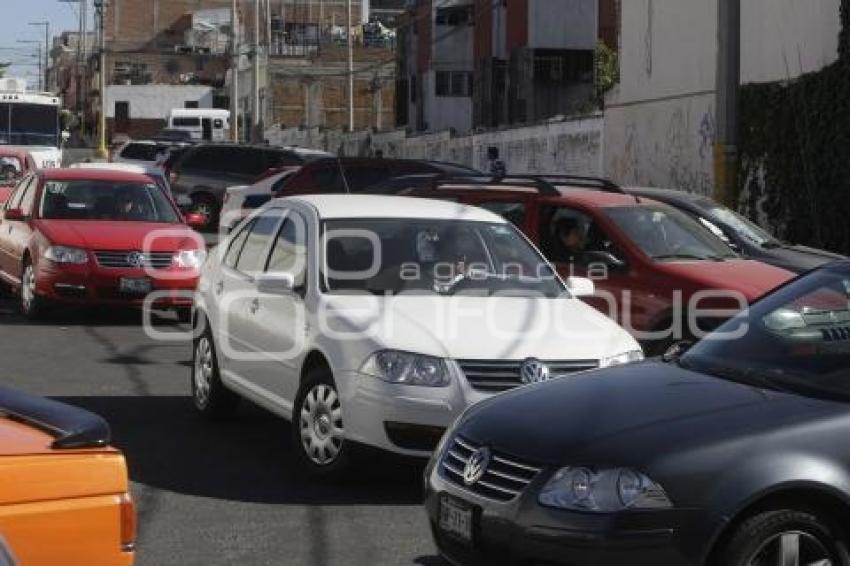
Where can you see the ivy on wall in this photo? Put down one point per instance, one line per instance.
(795, 152)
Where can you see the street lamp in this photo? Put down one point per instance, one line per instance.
(46, 47)
(100, 9)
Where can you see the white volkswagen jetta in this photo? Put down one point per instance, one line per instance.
(370, 320)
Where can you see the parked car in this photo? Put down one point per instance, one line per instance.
(744, 235)
(14, 164)
(78, 236)
(64, 493)
(142, 151)
(731, 452)
(204, 171)
(361, 174)
(650, 262)
(376, 320)
(241, 200)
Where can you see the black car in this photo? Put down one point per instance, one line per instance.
(733, 452)
(742, 234)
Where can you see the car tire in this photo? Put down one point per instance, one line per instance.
(211, 398)
(31, 305)
(810, 535)
(318, 435)
(207, 205)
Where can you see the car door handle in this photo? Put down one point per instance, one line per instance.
(255, 306)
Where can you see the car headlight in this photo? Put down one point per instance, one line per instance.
(602, 491)
(193, 259)
(407, 369)
(621, 359)
(64, 254)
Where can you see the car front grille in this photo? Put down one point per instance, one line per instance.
(503, 480)
(125, 260)
(496, 376)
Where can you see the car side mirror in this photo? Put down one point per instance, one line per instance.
(275, 283)
(606, 258)
(676, 350)
(581, 286)
(196, 220)
(15, 214)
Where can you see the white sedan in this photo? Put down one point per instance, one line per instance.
(241, 200)
(372, 320)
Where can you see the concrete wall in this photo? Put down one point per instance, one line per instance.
(155, 101)
(562, 24)
(570, 147)
(660, 120)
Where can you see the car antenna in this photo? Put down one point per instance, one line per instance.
(344, 176)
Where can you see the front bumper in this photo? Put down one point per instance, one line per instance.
(403, 419)
(521, 532)
(91, 284)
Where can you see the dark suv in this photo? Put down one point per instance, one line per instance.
(204, 172)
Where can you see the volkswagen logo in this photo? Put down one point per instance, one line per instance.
(476, 466)
(136, 259)
(534, 371)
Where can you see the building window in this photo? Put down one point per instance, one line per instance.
(564, 66)
(122, 116)
(455, 16)
(453, 83)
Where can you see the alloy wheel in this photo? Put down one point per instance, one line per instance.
(203, 371)
(791, 548)
(28, 288)
(320, 423)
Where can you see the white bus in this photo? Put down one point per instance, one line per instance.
(30, 121)
(207, 124)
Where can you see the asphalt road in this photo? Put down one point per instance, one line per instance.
(208, 494)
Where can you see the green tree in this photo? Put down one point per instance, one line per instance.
(3, 67)
(844, 37)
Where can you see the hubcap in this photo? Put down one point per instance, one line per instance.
(791, 548)
(320, 423)
(28, 288)
(203, 371)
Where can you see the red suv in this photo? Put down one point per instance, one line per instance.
(653, 266)
(85, 236)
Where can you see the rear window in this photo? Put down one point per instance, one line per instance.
(140, 151)
(247, 161)
(186, 122)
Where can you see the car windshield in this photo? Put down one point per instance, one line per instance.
(106, 200)
(797, 338)
(665, 234)
(746, 228)
(448, 257)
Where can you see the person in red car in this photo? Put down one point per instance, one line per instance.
(658, 272)
(86, 236)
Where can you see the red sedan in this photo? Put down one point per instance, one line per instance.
(77, 236)
(14, 164)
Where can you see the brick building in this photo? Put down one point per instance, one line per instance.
(466, 64)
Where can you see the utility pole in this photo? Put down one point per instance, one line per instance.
(100, 6)
(46, 46)
(728, 82)
(255, 113)
(234, 73)
(350, 72)
(84, 27)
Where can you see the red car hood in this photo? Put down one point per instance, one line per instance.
(751, 278)
(112, 235)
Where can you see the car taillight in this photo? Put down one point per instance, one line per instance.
(128, 523)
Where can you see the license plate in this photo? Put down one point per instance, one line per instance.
(456, 519)
(135, 286)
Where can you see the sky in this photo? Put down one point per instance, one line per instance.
(15, 16)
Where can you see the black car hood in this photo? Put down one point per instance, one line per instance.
(637, 415)
(797, 258)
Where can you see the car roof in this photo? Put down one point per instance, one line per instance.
(665, 194)
(600, 198)
(126, 167)
(94, 175)
(372, 206)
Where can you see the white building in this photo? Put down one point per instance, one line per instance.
(660, 121)
(140, 110)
